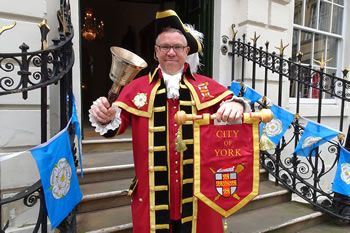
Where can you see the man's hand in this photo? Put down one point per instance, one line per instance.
(102, 111)
(229, 112)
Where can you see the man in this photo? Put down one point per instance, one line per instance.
(162, 196)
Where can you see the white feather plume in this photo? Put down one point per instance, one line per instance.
(193, 60)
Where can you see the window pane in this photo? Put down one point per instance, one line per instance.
(327, 82)
(311, 13)
(325, 16)
(337, 22)
(332, 45)
(319, 47)
(298, 12)
(306, 47)
(340, 2)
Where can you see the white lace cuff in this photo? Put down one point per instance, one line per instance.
(241, 100)
(103, 128)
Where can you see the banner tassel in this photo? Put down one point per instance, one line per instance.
(180, 145)
(225, 226)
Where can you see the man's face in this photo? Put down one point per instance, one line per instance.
(172, 60)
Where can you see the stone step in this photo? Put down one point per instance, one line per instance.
(93, 204)
(110, 158)
(102, 219)
(328, 227)
(287, 217)
(108, 173)
(105, 145)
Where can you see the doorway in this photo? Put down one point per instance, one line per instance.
(130, 24)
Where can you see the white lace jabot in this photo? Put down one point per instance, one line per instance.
(172, 83)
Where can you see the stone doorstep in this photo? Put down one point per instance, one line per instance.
(286, 217)
(126, 228)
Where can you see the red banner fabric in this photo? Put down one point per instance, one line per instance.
(226, 164)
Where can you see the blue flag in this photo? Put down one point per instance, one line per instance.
(272, 132)
(58, 177)
(341, 183)
(235, 87)
(314, 135)
(76, 125)
(251, 94)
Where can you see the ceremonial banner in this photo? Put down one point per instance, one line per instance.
(226, 164)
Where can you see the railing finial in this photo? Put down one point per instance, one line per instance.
(282, 48)
(345, 73)
(255, 38)
(299, 55)
(234, 33)
(44, 29)
(323, 62)
(5, 28)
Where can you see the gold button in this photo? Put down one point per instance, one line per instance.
(177, 181)
(193, 102)
(175, 125)
(194, 217)
(176, 172)
(153, 228)
(150, 149)
(176, 162)
(195, 198)
(140, 199)
(174, 107)
(151, 168)
(152, 208)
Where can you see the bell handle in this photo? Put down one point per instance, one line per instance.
(113, 93)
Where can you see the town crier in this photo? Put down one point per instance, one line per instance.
(162, 192)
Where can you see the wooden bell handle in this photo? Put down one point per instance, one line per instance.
(265, 115)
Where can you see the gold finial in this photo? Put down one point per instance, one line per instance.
(345, 73)
(234, 33)
(5, 28)
(297, 116)
(281, 48)
(63, 22)
(322, 62)
(255, 38)
(44, 29)
(341, 136)
(299, 55)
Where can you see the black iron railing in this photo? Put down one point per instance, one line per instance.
(26, 71)
(302, 176)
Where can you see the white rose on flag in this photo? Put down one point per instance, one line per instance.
(60, 179)
(345, 173)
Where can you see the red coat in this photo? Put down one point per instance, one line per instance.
(137, 101)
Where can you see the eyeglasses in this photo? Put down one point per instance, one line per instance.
(176, 48)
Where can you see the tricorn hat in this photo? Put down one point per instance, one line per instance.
(170, 19)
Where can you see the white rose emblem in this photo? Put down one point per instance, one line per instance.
(140, 99)
(60, 179)
(345, 173)
(309, 141)
(274, 128)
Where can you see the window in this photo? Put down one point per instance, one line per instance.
(318, 31)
